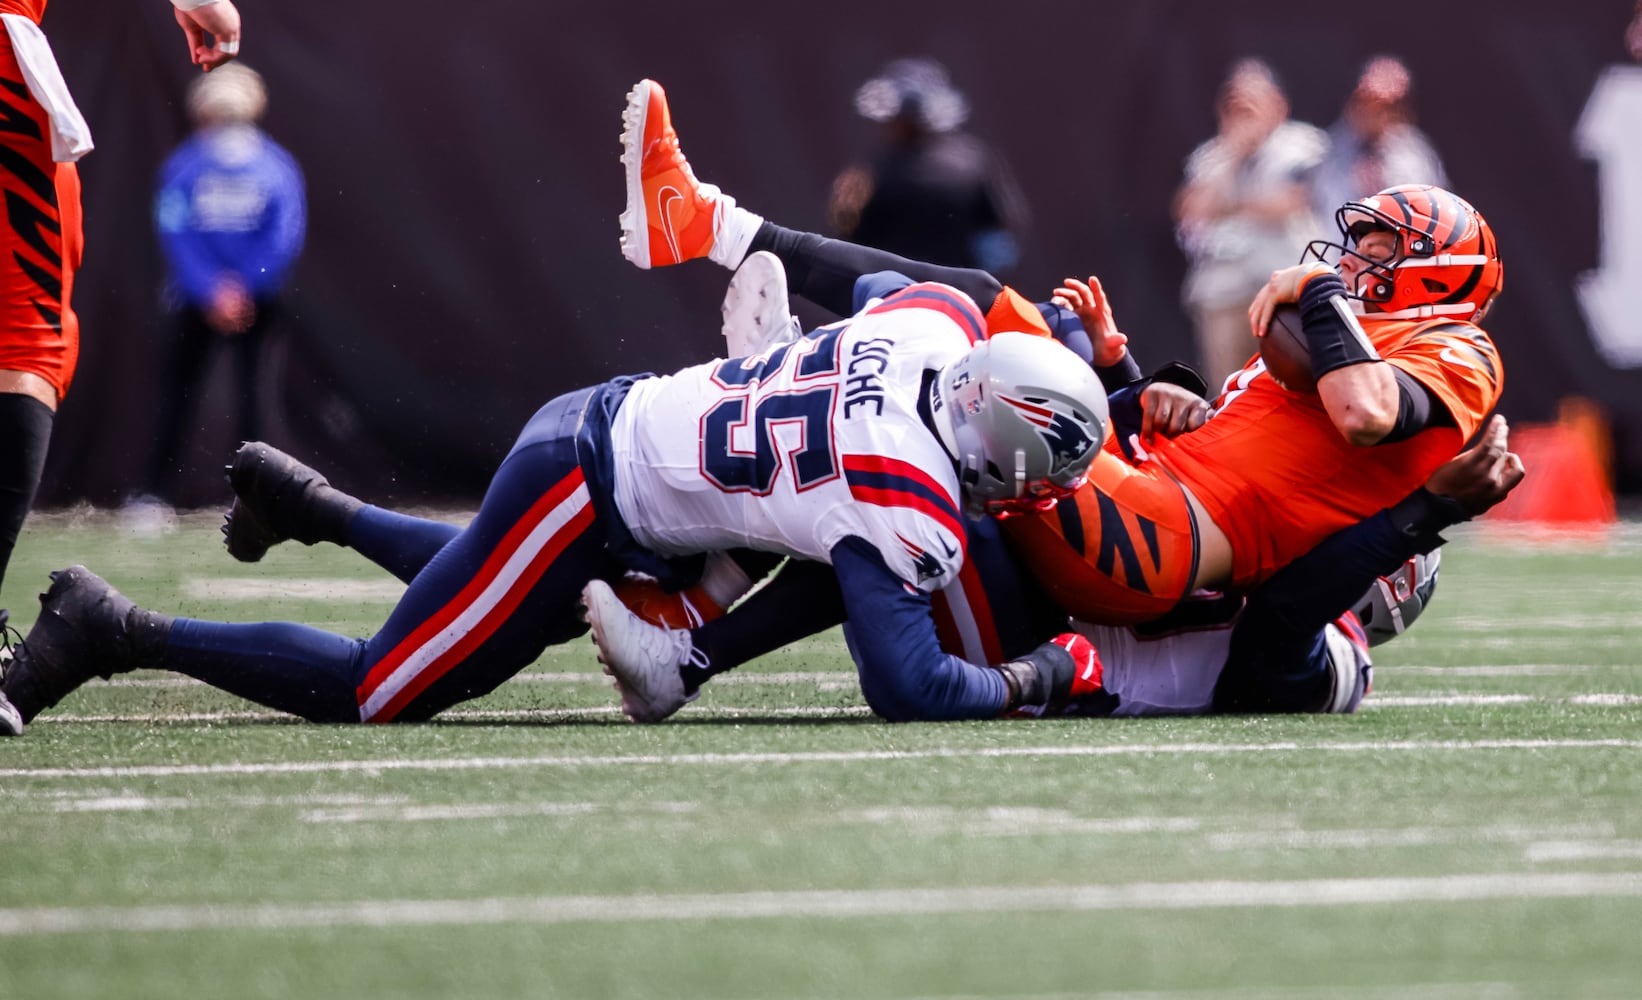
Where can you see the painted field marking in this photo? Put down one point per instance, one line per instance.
(1500, 670)
(837, 903)
(460, 715)
(1583, 850)
(408, 813)
(824, 679)
(1396, 837)
(807, 757)
(830, 711)
(323, 588)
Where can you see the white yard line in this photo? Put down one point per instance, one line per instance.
(808, 757)
(1500, 670)
(1424, 700)
(461, 715)
(1396, 837)
(824, 679)
(324, 588)
(840, 903)
(1614, 700)
(1583, 850)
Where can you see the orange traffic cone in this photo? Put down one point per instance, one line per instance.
(1569, 480)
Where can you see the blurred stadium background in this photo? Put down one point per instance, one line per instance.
(462, 262)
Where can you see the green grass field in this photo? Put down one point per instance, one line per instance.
(1474, 832)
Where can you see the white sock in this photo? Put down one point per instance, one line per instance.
(733, 229)
(723, 580)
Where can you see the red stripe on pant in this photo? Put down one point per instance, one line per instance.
(440, 665)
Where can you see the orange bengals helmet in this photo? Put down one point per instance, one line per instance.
(1446, 262)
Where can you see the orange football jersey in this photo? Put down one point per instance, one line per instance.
(31, 9)
(1277, 477)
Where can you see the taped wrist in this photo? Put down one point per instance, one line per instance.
(1040, 677)
(1334, 335)
(1422, 514)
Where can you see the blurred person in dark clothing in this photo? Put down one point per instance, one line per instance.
(1244, 211)
(1374, 145)
(231, 214)
(933, 193)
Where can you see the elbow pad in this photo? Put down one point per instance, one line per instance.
(1417, 408)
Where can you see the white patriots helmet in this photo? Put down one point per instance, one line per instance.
(1023, 417)
(1393, 602)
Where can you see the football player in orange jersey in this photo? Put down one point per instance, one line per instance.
(41, 245)
(1404, 378)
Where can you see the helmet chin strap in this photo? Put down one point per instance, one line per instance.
(940, 416)
(1428, 312)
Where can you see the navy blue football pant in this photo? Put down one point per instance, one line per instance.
(482, 604)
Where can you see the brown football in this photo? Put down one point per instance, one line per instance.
(1285, 351)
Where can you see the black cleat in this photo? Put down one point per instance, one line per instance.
(86, 629)
(278, 498)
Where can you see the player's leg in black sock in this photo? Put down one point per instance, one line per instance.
(25, 427)
(824, 270)
(799, 601)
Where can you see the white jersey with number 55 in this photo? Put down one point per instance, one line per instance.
(796, 449)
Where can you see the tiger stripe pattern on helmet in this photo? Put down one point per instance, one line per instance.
(1447, 261)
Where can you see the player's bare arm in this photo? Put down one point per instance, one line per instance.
(218, 19)
(1361, 399)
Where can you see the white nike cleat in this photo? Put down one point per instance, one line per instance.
(756, 309)
(643, 658)
(11, 720)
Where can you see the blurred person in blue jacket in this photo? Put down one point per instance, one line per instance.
(231, 213)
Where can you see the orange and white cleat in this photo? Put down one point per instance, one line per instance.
(671, 217)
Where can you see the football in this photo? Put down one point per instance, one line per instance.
(1285, 351)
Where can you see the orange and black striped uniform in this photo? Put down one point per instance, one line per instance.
(41, 239)
(1270, 469)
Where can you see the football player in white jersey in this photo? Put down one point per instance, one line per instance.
(864, 446)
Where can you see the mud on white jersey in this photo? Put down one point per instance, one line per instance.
(796, 449)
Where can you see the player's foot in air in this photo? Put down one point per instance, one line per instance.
(671, 217)
(643, 658)
(756, 310)
(278, 498)
(86, 629)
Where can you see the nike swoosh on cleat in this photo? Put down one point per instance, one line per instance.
(665, 199)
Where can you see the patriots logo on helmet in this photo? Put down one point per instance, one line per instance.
(1065, 436)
